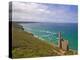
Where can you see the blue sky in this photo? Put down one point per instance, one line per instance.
(39, 12)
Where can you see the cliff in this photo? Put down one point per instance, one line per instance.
(25, 45)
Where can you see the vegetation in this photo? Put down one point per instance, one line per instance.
(24, 44)
(70, 52)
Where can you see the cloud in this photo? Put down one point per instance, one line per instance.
(38, 12)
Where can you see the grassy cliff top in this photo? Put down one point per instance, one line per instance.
(25, 45)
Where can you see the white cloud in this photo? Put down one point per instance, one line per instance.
(28, 11)
(40, 12)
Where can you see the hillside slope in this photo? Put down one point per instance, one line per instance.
(24, 45)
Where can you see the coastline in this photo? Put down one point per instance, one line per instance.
(49, 42)
(25, 41)
(35, 36)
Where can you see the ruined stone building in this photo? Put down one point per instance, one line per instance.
(63, 44)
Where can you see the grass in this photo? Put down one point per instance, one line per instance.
(25, 45)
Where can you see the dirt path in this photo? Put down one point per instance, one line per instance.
(59, 53)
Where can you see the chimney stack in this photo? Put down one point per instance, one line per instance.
(60, 40)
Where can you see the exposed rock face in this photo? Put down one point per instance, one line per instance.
(14, 24)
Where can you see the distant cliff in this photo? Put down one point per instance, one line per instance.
(16, 25)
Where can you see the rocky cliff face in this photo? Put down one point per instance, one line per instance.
(16, 25)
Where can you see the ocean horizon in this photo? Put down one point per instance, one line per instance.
(49, 32)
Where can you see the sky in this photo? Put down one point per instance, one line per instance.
(44, 12)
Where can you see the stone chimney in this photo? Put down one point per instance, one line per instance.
(60, 40)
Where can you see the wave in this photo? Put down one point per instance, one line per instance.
(49, 32)
(57, 38)
(54, 33)
(38, 37)
(45, 35)
(45, 31)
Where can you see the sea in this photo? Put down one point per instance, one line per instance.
(49, 32)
